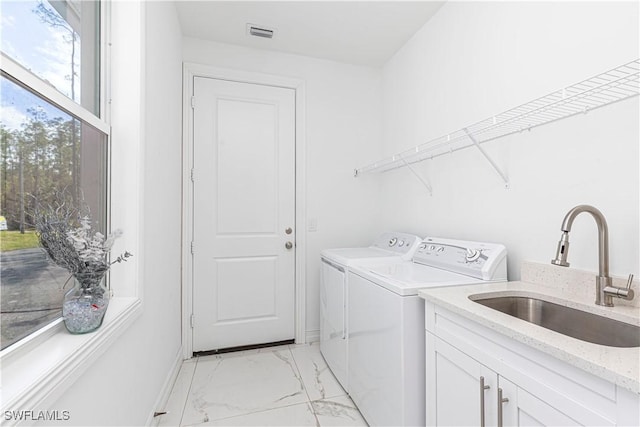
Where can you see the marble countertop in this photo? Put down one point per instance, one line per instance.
(617, 365)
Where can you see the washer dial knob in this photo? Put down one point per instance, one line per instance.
(472, 255)
(392, 242)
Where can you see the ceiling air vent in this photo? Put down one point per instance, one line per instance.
(260, 31)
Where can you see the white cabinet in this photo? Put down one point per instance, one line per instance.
(521, 408)
(470, 394)
(469, 367)
(463, 388)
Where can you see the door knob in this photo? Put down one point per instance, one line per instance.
(288, 245)
(288, 230)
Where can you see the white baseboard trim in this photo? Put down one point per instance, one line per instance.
(165, 391)
(312, 336)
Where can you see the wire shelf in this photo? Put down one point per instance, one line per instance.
(604, 89)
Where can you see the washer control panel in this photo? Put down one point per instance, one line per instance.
(485, 261)
(400, 243)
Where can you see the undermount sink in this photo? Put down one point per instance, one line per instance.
(565, 320)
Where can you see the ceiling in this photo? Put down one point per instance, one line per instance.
(355, 32)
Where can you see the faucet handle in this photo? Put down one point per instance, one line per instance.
(629, 281)
(624, 293)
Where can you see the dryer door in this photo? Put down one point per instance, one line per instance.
(333, 328)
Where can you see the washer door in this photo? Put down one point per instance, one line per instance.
(333, 327)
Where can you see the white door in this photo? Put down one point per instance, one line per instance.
(243, 214)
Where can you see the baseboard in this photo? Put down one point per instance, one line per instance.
(165, 391)
(312, 336)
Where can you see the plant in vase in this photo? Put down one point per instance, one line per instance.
(70, 241)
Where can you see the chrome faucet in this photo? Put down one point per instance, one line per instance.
(604, 290)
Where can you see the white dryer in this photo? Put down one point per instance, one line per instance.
(388, 247)
(386, 341)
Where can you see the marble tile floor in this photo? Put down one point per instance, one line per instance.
(288, 385)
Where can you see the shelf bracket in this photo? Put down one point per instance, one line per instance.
(417, 175)
(489, 159)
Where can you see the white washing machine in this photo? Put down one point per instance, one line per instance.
(386, 341)
(388, 247)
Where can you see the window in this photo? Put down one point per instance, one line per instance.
(58, 41)
(52, 140)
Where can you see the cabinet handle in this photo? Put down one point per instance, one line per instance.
(482, 389)
(501, 400)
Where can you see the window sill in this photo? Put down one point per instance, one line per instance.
(37, 372)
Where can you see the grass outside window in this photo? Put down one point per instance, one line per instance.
(14, 240)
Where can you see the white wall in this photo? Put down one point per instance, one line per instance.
(343, 128)
(476, 59)
(123, 387)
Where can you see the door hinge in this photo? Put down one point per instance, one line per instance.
(193, 102)
(192, 174)
(192, 248)
(191, 320)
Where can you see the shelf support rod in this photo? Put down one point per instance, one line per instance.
(417, 175)
(489, 159)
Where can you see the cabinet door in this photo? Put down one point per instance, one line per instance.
(520, 408)
(460, 390)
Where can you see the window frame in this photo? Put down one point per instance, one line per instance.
(38, 369)
(50, 94)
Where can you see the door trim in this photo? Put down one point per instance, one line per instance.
(190, 71)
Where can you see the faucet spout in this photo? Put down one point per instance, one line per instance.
(563, 251)
(604, 294)
(604, 290)
(603, 236)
